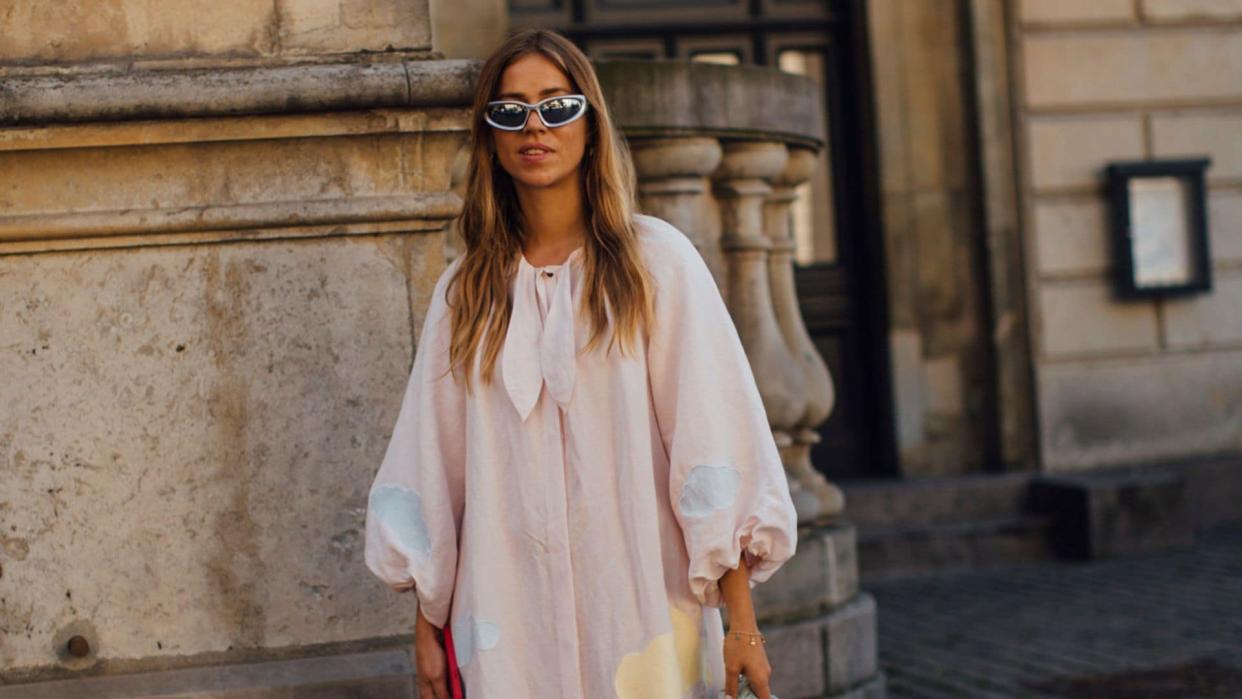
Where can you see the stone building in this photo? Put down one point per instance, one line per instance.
(220, 224)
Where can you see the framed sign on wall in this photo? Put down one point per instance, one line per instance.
(1160, 227)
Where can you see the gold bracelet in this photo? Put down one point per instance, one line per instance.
(737, 635)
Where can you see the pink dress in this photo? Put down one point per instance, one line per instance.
(572, 519)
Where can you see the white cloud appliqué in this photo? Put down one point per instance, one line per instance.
(707, 489)
(400, 513)
(470, 634)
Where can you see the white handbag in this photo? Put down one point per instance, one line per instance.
(745, 692)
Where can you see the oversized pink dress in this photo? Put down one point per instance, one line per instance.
(575, 515)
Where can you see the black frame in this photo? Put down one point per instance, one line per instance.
(1192, 172)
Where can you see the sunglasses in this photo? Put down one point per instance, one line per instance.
(511, 115)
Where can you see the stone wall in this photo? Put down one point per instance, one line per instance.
(468, 28)
(189, 437)
(208, 312)
(45, 34)
(1120, 80)
(939, 333)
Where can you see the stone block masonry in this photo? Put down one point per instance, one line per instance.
(1104, 81)
(206, 299)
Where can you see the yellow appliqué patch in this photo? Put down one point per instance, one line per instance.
(667, 667)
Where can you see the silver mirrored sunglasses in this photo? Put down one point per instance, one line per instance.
(511, 115)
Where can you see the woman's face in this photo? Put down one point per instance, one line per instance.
(530, 78)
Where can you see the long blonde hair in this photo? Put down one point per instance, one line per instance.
(615, 278)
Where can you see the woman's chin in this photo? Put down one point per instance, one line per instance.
(534, 179)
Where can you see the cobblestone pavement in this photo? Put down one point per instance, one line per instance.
(1161, 626)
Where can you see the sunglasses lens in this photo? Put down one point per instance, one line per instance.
(562, 109)
(507, 114)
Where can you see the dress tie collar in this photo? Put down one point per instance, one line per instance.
(541, 351)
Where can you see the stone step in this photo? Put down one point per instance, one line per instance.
(924, 501)
(903, 550)
(1104, 513)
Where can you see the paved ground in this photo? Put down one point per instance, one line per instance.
(1165, 626)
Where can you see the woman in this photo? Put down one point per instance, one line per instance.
(579, 519)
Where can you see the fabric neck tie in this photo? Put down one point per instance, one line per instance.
(538, 351)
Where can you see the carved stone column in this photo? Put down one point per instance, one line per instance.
(741, 186)
(673, 184)
(819, 497)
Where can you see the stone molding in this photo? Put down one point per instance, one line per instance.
(653, 98)
(205, 92)
(251, 221)
(422, 105)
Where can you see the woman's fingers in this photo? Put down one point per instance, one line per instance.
(759, 685)
(433, 687)
(751, 661)
(431, 668)
(759, 676)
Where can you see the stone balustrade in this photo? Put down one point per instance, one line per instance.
(719, 151)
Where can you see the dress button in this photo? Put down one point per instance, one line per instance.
(547, 274)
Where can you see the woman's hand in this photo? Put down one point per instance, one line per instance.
(430, 660)
(741, 657)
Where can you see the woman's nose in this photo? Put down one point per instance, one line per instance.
(533, 120)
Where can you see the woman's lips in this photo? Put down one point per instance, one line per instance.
(534, 156)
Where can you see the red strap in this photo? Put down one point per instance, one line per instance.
(455, 687)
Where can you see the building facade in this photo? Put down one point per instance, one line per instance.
(220, 225)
